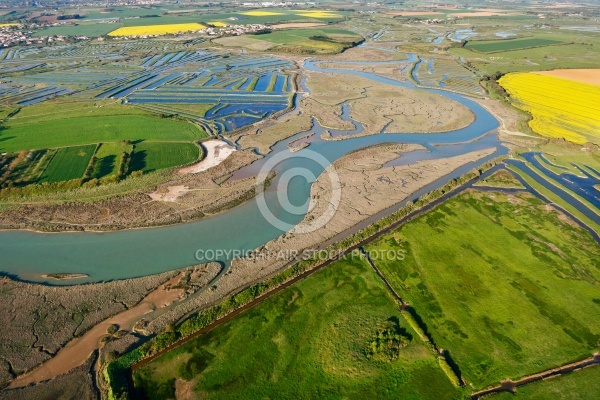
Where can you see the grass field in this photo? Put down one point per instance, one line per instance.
(82, 29)
(583, 384)
(560, 108)
(151, 156)
(63, 123)
(506, 285)
(312, 340)
(62, 108)
(68, 163)
(109, 156)
(295, 35)
(85, 130)
(330, 40)
(156, 29)
(510, 44)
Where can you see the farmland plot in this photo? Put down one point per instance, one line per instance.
(68, 163)
(500, 314)
(151, 156)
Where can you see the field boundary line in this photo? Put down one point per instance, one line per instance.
(509, 385)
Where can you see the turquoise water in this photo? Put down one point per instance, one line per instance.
(133, 253)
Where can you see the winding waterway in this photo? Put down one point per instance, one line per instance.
(139, 252)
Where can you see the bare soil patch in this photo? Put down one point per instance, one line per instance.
(366, 53)
(78, 349)
(217, 151)
(76, 384)
(591, 76)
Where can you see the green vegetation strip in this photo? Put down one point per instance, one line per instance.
(552, 182)
(555, 199)
(509, 44)
(502, 179)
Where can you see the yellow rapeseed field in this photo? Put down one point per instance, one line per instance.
(155, 29)
(218, 23)
(560, 108)
(260, 13)
(7, 25)
(318, 14)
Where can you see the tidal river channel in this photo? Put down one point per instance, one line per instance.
(140, 252)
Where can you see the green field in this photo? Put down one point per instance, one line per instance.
(503, 283)
(313, 41)
(68, 163)
(109, 156)
(312, 340)
(295, 35)
(509, 44)
(85, 130)
(81, 29)
(582, 384)
(151, 156)
(70, 107)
